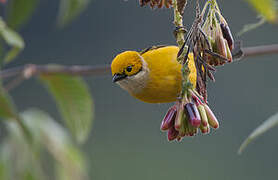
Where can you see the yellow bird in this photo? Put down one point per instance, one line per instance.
(152, 76)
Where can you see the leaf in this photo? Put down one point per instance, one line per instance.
(19, 12)
(74, 103)
(23, 160)
(13, 39)
(70, 9)
(7, 109)
(265, 126)
(18, 156)
(11, 54)
(250, 27)
(267, 8)
(55, 139)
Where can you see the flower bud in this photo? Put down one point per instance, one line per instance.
(169, 118)
(227, 35)
(172, 134)
(204, 118)
(204, 129)
(179, 117)
(193, 114)
(211, 117)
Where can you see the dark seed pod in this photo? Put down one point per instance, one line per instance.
(169, 118)
(193, 114)
(143, 2)
(181, 6)
(227, 35)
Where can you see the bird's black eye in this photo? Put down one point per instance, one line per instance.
(129, 69)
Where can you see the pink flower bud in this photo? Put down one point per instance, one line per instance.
(172, 134)
(169, 118)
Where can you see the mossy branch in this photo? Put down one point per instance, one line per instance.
(178, 21)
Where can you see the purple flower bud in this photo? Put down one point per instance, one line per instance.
(172, 134)
(227, 35)
(169, 118)
(193, 114)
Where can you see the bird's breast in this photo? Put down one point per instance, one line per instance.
(163, 85)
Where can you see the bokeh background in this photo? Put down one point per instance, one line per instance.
(126, 142)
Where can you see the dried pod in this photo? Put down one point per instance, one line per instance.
(169, 118)
(172, 134)
(143, 2)
(193, 114)
(220, 45)
(168, 3)
(156, 3)
(227, 34)
(229, 54)
(161, 3)
(210, 75)
(181, 6)
(211, 117)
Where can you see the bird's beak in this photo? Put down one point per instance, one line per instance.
(118, 77)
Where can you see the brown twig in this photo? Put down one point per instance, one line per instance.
(32, 70)
(260, 50)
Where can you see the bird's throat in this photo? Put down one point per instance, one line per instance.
(136, 83)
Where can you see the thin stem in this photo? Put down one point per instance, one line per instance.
(32, 70)
(260, 50)
(179, 23)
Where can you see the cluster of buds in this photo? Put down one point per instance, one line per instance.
(218, 35)
(186, 117)
(156, 3)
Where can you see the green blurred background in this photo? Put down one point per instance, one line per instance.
(126, 142)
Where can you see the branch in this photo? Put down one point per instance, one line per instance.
(31, 70)
(260, 50)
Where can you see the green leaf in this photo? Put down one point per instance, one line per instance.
(267, 8)
(7, 109)
(265, 126)
(11, 54)
(74, 103)
(23, 160)
(18, 156)
(70, 9)
(56, 140)
(20, 11)
(13, 39)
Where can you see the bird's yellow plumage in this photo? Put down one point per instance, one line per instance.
(154, 76)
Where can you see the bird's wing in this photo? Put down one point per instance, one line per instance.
(151, 48)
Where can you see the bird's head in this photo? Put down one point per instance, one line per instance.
(130, 71)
